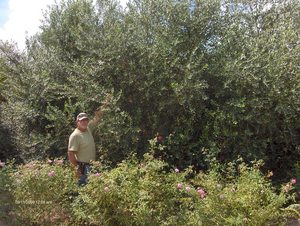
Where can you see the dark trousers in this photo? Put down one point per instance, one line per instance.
(85, 169)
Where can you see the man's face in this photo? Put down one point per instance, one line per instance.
(82, 124)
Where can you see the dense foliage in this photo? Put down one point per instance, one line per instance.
(146, 192)
(210, 80)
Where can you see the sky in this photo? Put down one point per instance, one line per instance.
(19, 18)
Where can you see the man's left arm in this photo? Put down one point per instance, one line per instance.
(99, 112)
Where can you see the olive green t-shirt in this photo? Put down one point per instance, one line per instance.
(83, 144)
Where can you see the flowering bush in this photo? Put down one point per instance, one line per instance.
(147, 192)
(41, 191)
(136, 193)
(247, 198)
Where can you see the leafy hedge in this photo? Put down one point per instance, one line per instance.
(213, 80)
(147, 192)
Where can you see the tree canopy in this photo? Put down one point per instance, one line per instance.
(206, 80)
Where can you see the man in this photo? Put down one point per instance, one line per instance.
(81, 148)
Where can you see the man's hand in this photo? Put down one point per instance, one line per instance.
(78, 172)
(99, 111)
(105, 103)
(74, 164)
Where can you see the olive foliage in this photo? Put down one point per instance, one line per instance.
(210, 80)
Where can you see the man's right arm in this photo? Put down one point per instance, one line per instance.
(73, 161)
(99, 112)
(73, 147)
(72, 158)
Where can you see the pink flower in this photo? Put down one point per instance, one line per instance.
(106, 189)
(201, 193)
(159, 138)
(97, 174)
(270, 174)
(179, 185)
(49, 161)
(59, 161)
(51, 174)
(187, 188)
(177, 170)
(2, 164)
(30, 165)
(293, 181)
(287, 188)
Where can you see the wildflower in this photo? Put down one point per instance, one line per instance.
(287, 188)
(106, 189)
(270, 174)
(49, 161)
(293, 181)
(96, 163)
(18, 181)
(187, 188)
(97, 174)
(201, 193)
(51, 174)
(59, 161)
(245, 219)
(233, 189)
(36, 172)
(176, 170)
(30, 165)
(2, 164)
(179, 185)
(159, 138)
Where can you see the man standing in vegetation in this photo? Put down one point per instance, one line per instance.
(81, 148)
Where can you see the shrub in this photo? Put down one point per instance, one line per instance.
(5, 180)
(151, 193)
(175, 71)
(147, 192)
(243, 196)
(5, 197)
(134, 193)
(42, 191)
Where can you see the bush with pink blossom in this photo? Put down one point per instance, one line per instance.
(136, 193)
(147, 192)
(41, 191)
(240, 195)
